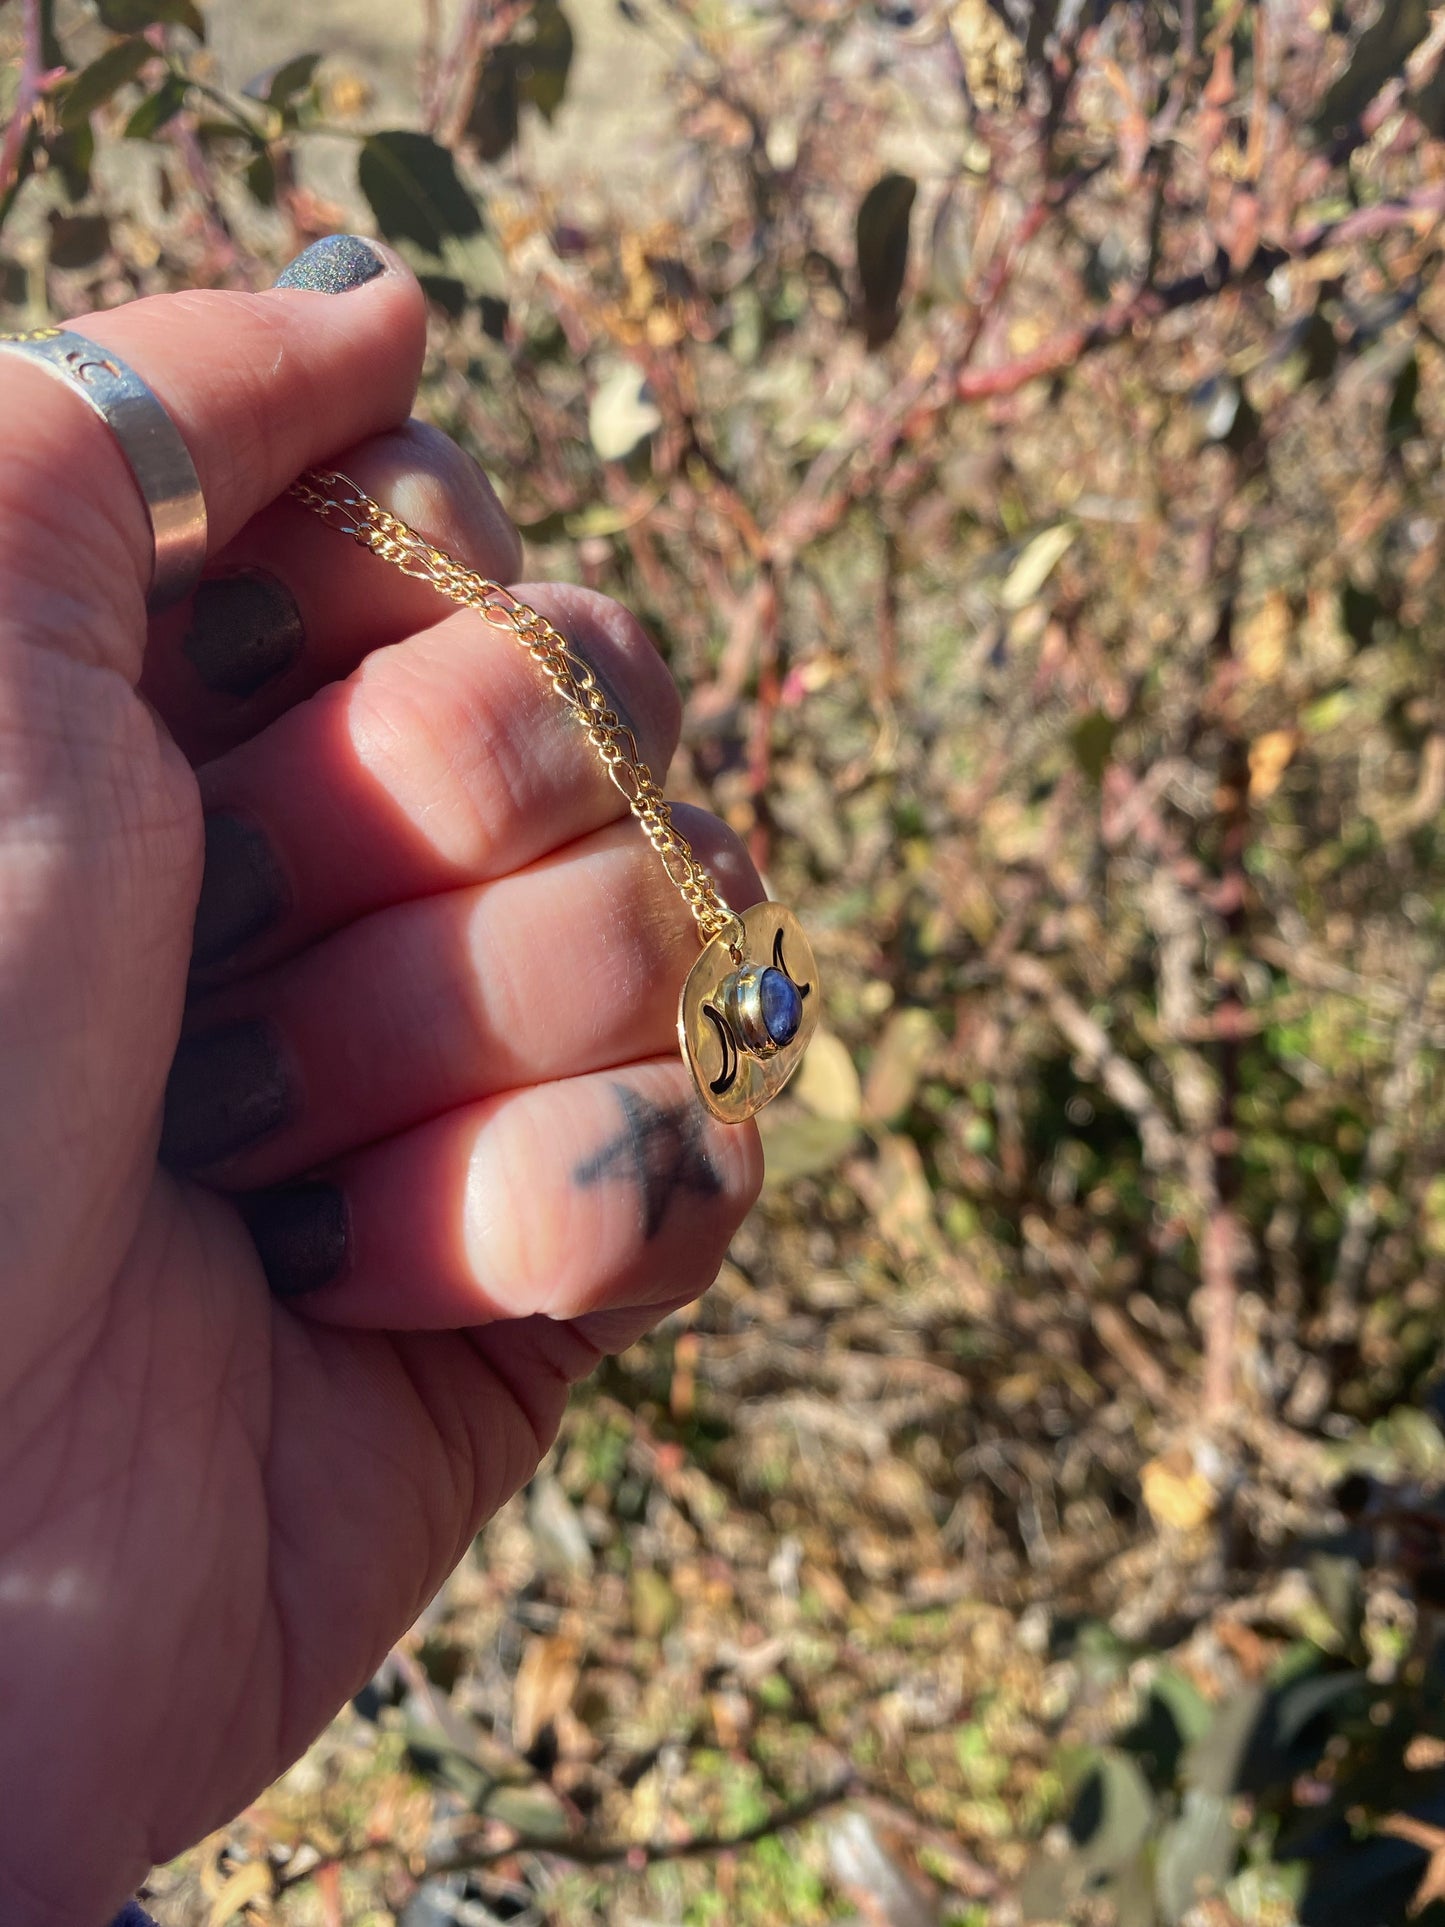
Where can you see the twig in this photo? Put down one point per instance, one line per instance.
(429, 62)
(35, 79)
(603, 1853)
(1222, 1245)
(1362, 1215)
(1148, 305)
(1121, 1079)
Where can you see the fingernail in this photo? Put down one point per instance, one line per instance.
(242, 889)
(302, 1234)
(332, 265)
(609, 690)
(228, 1087)
(245, 630)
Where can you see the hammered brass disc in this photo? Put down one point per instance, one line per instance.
(731, 1081)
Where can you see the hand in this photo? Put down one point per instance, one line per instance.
(427, 1147)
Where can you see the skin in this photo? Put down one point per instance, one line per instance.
(217, 1508)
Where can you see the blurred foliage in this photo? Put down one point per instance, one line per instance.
(1022, 427)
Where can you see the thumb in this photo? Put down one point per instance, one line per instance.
(100, 830)
(258, 385)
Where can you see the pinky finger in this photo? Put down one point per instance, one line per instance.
(588, 1196)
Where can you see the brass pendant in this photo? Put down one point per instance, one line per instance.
(748, 1009)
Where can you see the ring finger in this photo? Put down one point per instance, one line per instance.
(569, 966)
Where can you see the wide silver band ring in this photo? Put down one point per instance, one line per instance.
(151, 443)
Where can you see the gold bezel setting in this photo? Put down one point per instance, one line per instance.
(735, 1076)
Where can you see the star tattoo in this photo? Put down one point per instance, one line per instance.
(662, 1147)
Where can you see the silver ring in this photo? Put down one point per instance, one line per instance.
(151, 443)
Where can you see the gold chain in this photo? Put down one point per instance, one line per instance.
(341, 504)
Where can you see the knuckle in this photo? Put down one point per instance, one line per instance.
(445, 754)
(430, 481)
(720, 849)
(621, 653)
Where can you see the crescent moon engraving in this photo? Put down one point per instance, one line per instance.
(86, 366)
(778, 964)
(729, 1073)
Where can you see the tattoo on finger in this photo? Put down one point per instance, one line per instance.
(662, 1149)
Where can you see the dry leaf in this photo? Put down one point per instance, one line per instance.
(1270, 756)
(1404, 1826)
(623, 413)
(248, 1883)
(1034, 567)
(895, 1188)
(801, 1147)
(1176, 1493)
(546, 1681)
(828, 1083)
(893, 1076)
(1264, 637)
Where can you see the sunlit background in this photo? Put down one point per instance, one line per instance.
(1020, 427)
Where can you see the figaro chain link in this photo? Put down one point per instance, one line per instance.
(344, 506)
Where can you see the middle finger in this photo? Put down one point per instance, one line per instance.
(570, 966)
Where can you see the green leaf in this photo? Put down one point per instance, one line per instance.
(414, 190)
(76, 240)
(1320, 352)
(1174, 1714)
(803, 1147)
(881, 235)
(492, 119)
(291, 78)
(24, 168)
(1402, 423)
(154, 112)
(545, 61)
(1091, 739)
(533, 1810)
(1337, 1581)
(1215, 1761)
(134, 16)
(444, 291)
(95, 85)
(260, 178)
(1196, 1854)
(52, 54)
(1380, 53)
(72, 151)
(1113, 1812)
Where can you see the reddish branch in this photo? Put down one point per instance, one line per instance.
(1149, 305)
(819, 508)
(35, 80)
(1222, 1245)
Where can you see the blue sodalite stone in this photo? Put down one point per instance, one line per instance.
(781, 1006)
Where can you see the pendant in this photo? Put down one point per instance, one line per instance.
(748, 1009)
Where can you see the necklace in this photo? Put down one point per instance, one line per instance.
(750, 1002)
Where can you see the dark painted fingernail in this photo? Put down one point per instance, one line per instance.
(228, 1087)
(245, 629)
(242, 889)
(302, 1233)
(332, 265)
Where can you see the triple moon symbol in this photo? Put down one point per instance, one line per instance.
(743, 993)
